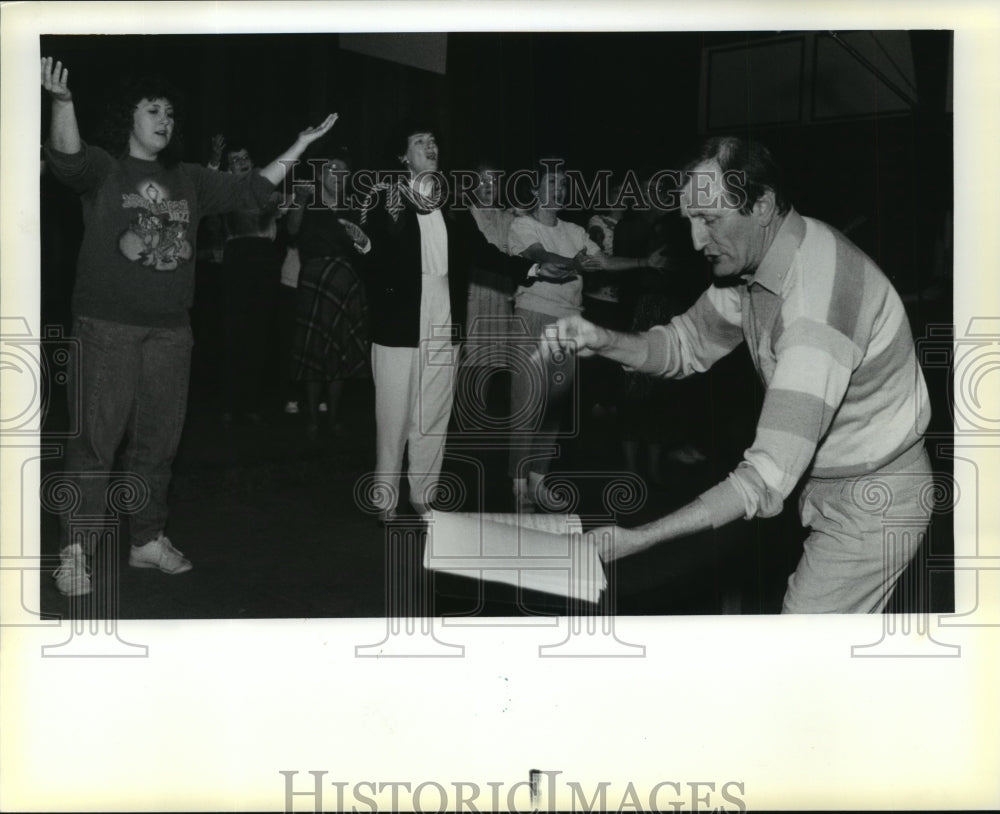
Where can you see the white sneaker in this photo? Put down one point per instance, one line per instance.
(322, 407)
(159, 553)
(292, 407)
(72, 578)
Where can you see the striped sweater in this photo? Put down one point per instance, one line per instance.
(830, 339)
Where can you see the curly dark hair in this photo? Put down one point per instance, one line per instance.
(118, 118)
(399, 135)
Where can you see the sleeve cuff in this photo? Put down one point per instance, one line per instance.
(723, 503)
(65, 158)
(656, 353)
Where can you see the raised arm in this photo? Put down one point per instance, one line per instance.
(275, 171)
(64, 134)
(218, 147)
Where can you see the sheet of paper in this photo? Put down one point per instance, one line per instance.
(552, 523)
(543, 552)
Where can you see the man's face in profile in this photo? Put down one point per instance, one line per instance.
(732, 243)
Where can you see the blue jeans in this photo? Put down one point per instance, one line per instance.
(133, 382)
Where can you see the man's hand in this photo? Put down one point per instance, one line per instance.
(311, 134)
(614, 542)
(55, 79)
(574, 335)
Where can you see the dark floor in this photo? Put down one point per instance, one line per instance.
(273, 526)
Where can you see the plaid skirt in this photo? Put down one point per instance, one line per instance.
(332, 339)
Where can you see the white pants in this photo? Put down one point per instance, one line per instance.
(414, 391)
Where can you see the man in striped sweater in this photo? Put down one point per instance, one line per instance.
(845, 406)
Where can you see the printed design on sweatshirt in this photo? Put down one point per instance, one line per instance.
(157, 236)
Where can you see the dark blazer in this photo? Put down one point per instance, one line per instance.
(393, 275)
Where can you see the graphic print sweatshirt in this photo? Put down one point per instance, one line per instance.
(136, 262)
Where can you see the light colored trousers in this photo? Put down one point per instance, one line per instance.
(414, 392)
(864, 531)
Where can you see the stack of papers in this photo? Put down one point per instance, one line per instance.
(543, 552)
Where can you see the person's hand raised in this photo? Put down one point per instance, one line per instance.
(218, 147)
(311, 134)
(55, 79)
